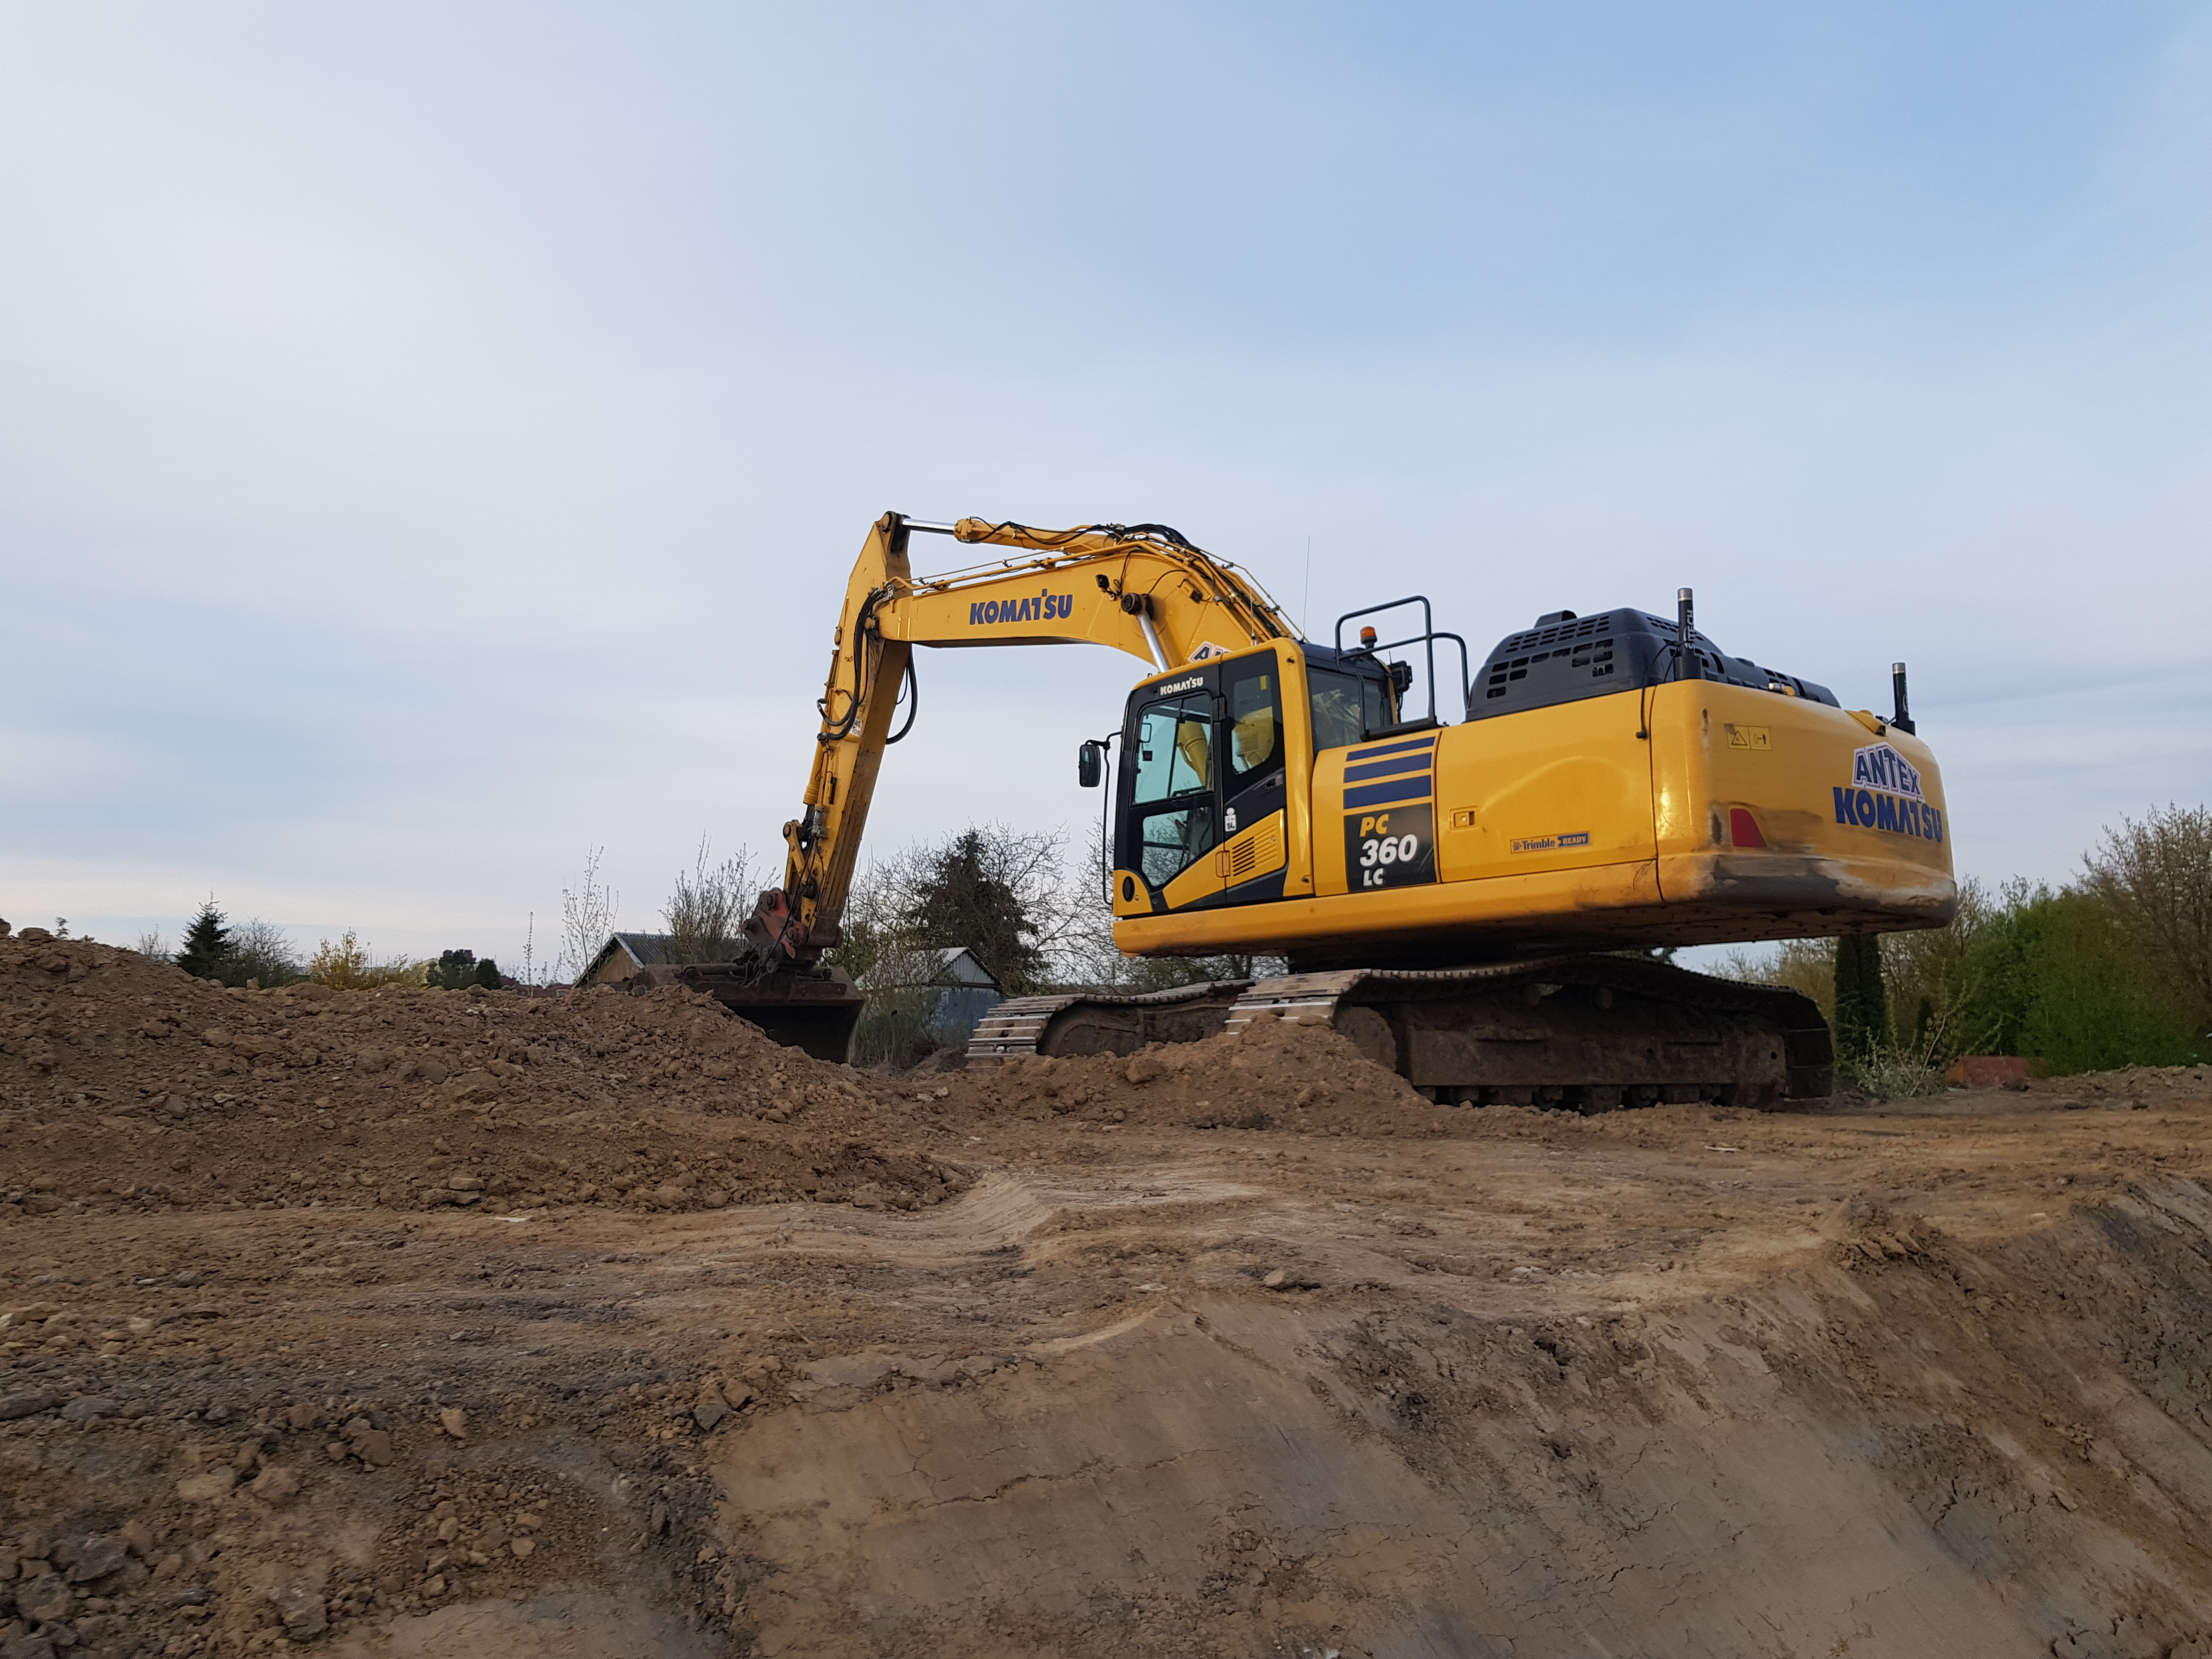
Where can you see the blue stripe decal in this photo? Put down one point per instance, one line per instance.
(1428, 741)
(1420, 763)
(1383, 795)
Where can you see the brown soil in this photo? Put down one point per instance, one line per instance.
(1339, 1371)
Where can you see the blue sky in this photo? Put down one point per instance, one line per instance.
(433, 439)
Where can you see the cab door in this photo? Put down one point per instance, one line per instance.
(1170, 823)
(1254, 829)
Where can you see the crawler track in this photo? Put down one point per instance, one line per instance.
(1593, 1032)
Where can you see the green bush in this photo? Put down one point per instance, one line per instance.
(457, 970)
(2062, 975)
(2058, 976)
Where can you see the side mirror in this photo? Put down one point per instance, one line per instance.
(1089, 764)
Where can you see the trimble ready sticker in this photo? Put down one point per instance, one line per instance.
(1566, 841)
(1884, 793)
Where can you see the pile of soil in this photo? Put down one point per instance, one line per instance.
(1232, 1349)
(126, 1084)
(1305, 1078)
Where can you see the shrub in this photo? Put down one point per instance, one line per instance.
(2057, 975)
(893, 1028)
(2156, 876)
(457, 970)
(348, 966)
(708, 907)
(260, 952)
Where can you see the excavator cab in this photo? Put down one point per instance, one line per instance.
(1212, 755)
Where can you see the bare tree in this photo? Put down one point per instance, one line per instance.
(1086, 953)
(261, 950)
(2157, 877)
(708, 906)
(587, 917)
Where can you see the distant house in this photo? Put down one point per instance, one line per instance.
(965, 993)
(623, 957)
(922, 999)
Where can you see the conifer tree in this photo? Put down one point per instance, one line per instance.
(207, 947)
(1861, 1001)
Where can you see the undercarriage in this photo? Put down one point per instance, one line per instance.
(1587, 1033)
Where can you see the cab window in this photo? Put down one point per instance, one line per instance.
(1256, 723)
(1174, 749)
(1346, 708)
(1170, 842)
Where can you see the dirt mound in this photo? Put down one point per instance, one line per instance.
(1337, 1371)
(1270, 1076)
(124, 1082)
(1273, 1076)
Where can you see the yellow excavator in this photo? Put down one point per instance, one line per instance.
(1468, 881)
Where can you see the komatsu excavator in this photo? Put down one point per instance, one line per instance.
(1469, 891)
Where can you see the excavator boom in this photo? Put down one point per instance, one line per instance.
(1138, 588)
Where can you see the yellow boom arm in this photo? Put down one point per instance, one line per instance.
(1139, 588)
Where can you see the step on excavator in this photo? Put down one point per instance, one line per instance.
(1468, 882)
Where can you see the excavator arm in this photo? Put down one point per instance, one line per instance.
(1139, 589)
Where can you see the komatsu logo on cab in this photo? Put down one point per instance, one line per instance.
(1884, 793)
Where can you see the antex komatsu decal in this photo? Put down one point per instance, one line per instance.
(1877, 809)
(1883, 768)
(1038, 607)
(1884, 793)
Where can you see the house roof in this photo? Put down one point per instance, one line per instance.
(643, 950)
(956, 965)
(945, 965)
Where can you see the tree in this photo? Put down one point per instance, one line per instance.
(708, 907)
(985, 889)
(588, 918)
(2058, 976)
(457, 971)
(1862, 1005)
(206, 948)
(2156, 876)
(1000, 892)
(260, 952)
(1086, 954)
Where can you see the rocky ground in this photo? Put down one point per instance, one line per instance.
(440, 1323)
